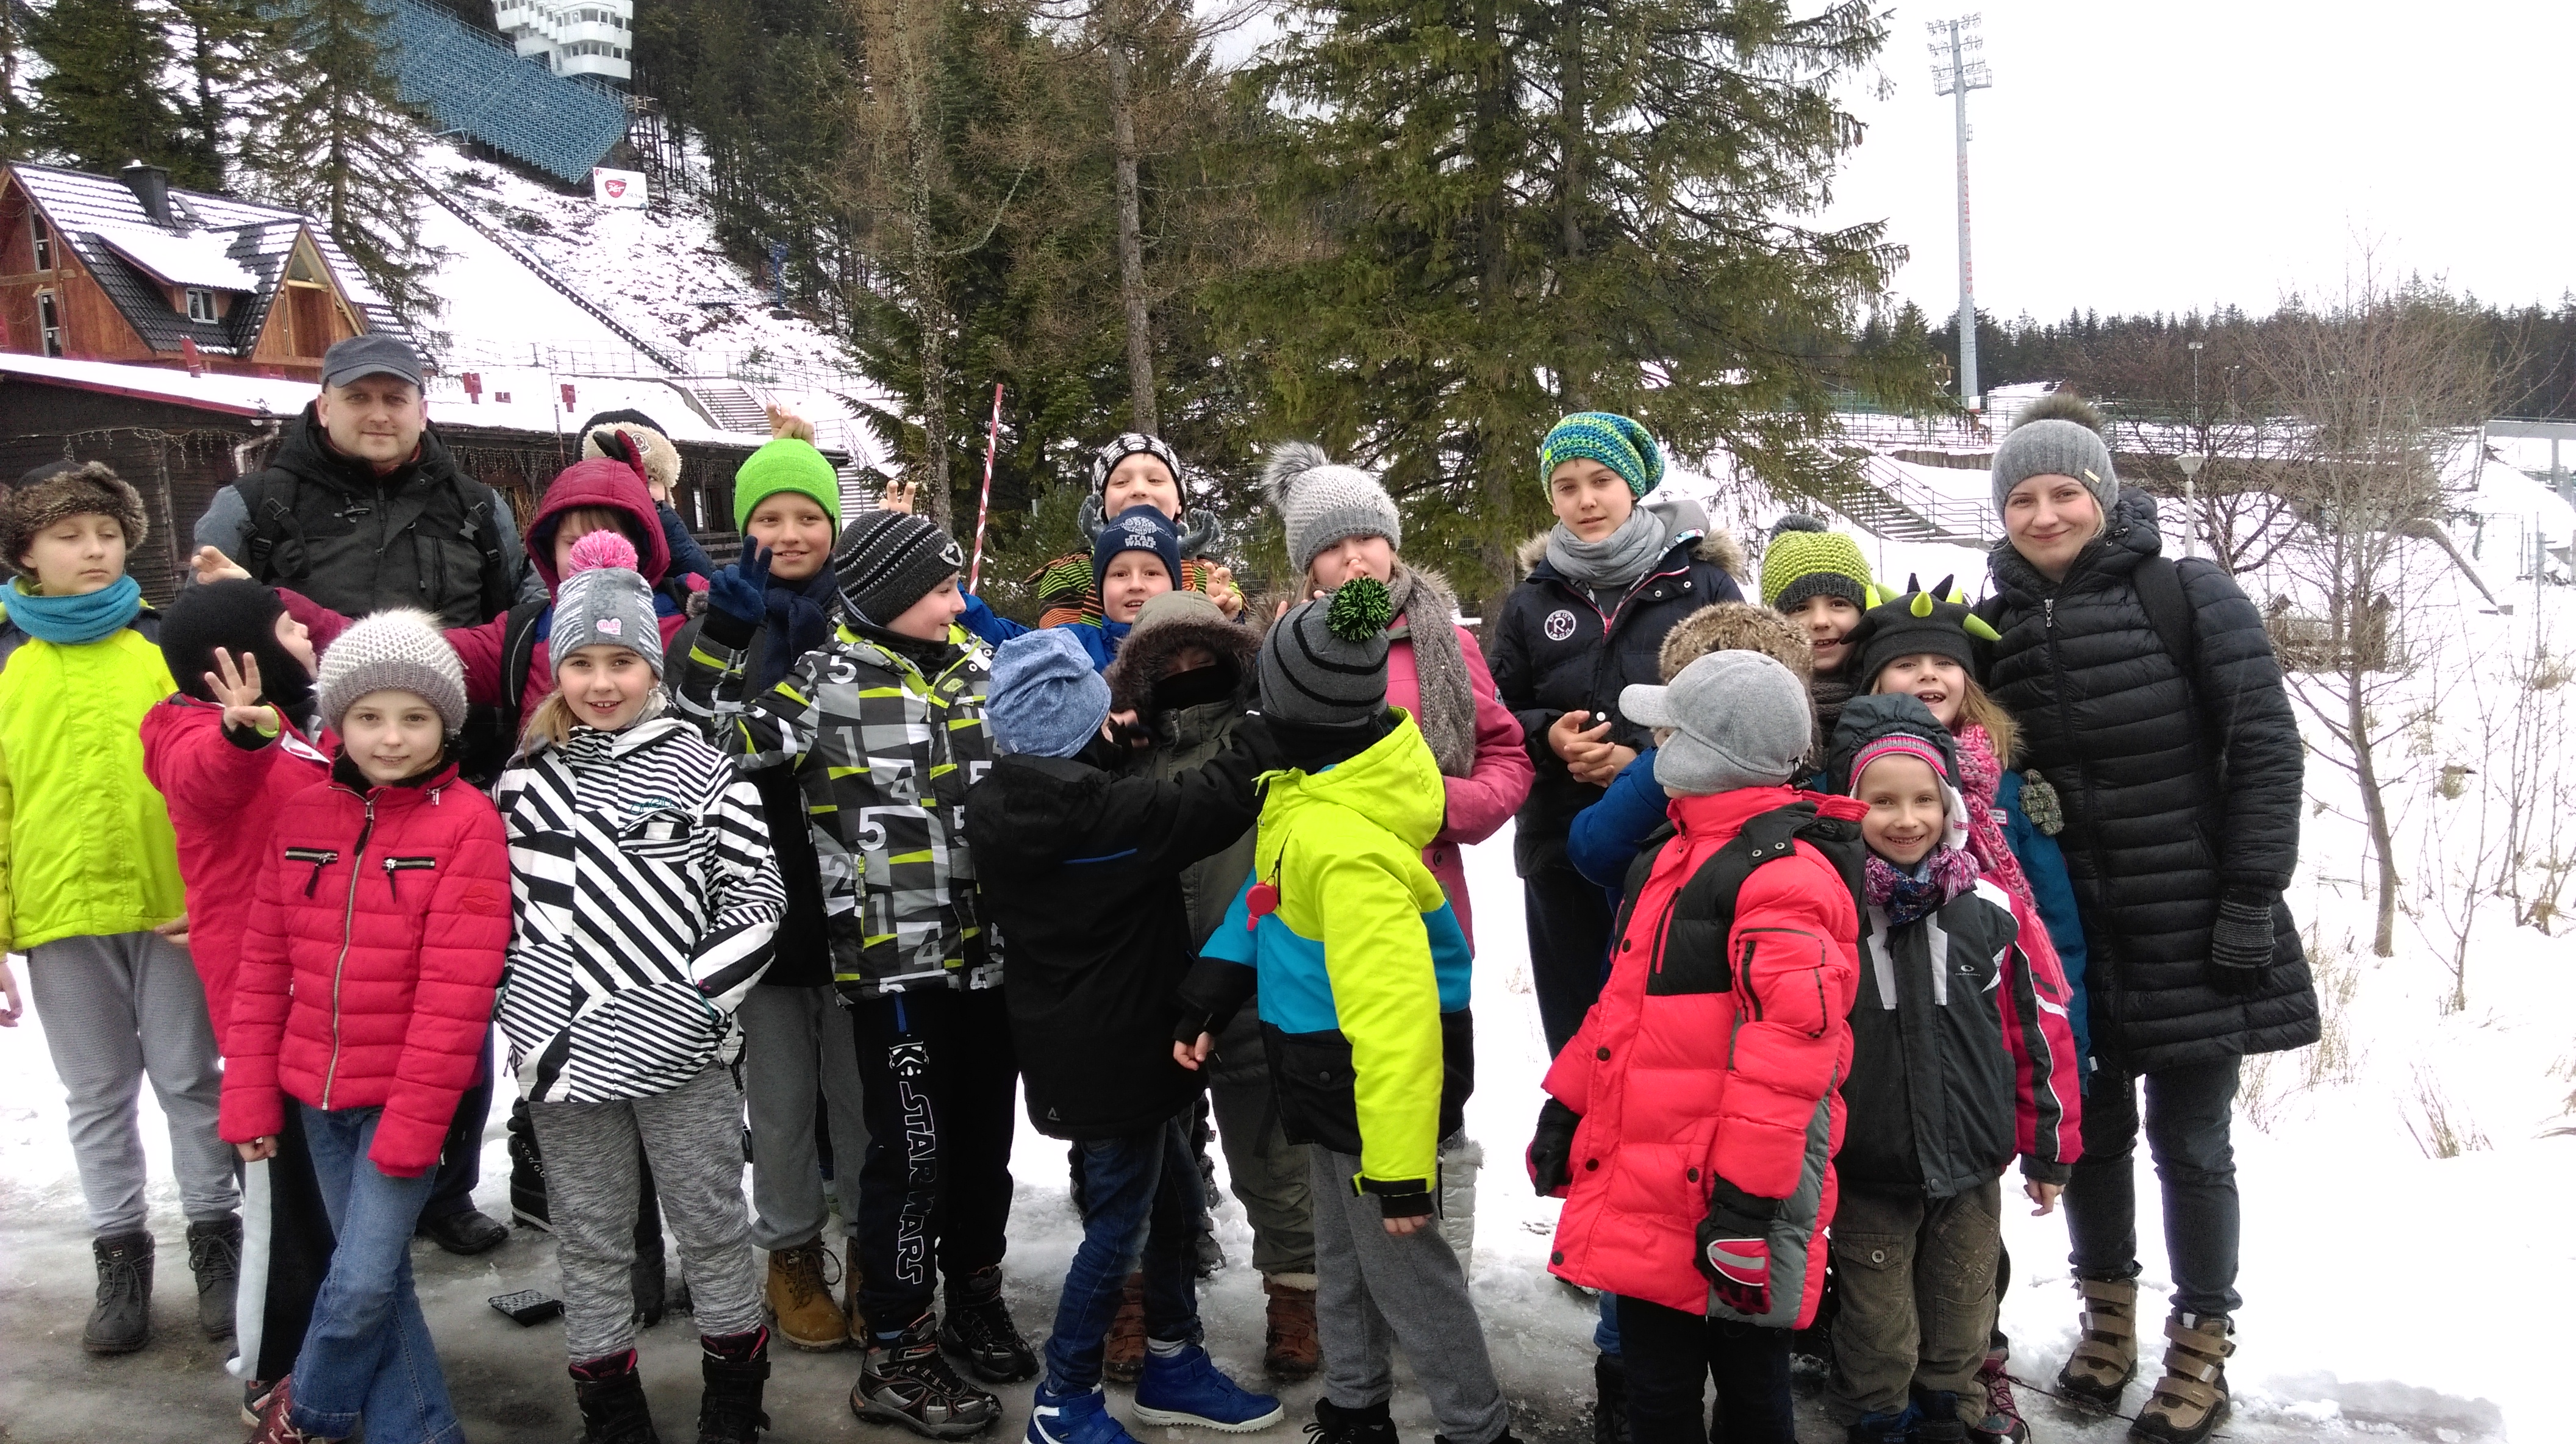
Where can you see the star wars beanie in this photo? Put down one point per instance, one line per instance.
(1320, 503)
(1805, 560)
(888, 560)
(604, 601)
(1137, 529)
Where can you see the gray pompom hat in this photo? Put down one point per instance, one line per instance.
(1320, 502)
(401, 651)
(2060, 435)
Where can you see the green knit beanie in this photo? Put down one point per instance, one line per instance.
(786, 464)
(1805, 560)
(1615, 441)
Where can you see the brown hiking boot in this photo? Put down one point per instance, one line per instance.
(2190, 1401)
(850, 1298)
(1122, 1357)
(1289, 1349)
(800, 1299)
(2106, 1351)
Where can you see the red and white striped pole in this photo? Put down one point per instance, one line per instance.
(984, 509)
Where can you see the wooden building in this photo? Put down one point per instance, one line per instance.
(180, 438)
(127, 269)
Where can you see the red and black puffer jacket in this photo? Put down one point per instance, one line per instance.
(1710, 1057)
(366, 976)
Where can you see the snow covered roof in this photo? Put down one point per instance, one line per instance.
(534, 404)
(210, 241)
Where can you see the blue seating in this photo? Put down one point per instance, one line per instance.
(471, 82)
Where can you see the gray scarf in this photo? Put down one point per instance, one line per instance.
(1424, 607)
(1614, 563)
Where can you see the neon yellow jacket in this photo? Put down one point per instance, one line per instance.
(86, 848)
(1363, 968)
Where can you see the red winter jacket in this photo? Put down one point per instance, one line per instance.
(224, 801)
(598, 482)
(366, 979)
(1745, 1083)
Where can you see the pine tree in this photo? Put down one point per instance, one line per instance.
(1540, 206)
(220, 44)
(322, 128)
(100, 101)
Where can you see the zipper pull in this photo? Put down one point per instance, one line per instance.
(2048, 614)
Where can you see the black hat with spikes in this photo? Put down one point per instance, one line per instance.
(1913, 623)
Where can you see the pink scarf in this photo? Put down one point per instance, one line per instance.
(1979, 771)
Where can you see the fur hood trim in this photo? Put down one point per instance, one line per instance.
(1737, 627)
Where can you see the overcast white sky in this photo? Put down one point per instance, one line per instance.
(2166, 154)
(2140, 155)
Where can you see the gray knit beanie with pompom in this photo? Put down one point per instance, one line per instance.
(1322, 503)
(2059, 435)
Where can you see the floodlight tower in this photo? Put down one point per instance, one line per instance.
(1953, 74)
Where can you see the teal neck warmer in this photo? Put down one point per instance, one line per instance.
(72, 621)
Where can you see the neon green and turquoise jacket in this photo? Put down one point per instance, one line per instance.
(1362, 967)
(86, 848)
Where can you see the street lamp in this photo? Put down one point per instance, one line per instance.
(2190, 498)
(1954, 75)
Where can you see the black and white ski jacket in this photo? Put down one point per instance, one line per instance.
(646, 904)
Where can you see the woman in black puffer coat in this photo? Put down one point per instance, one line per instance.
(2181, 782)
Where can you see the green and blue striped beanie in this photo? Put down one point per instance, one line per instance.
(1617, 442)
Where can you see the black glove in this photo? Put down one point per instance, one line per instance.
(1551, 1148)
(1734, 1252)
(2240, 945)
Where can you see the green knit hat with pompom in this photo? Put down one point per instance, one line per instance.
(1805, 560)
(1324, 663)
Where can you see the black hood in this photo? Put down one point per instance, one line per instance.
(1145, 659)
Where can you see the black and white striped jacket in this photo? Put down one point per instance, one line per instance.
(647, 903)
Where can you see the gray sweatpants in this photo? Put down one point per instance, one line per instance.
(1377, 1290)
(693, 1137)
(1268, 1173)
(117, 1010)
(795, 1040)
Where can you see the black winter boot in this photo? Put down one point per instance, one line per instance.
(979, 1330)
(736, 1366)
(905, 1381)
(1609, 1399)
(214, 1256)
(1337, 1425)
(611, 1395)
(1939, 1422)
(122, 1322)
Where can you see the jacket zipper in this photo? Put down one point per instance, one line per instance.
(2084, 776)
(348, 922)
(1610, 622)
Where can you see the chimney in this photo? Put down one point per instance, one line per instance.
(151, 185)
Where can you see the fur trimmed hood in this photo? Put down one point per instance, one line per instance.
(661, 459)
(1737, 627)
(1716, 546)
(1160, 634)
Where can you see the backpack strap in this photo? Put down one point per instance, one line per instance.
(482, 529)
(271, 521)
(1693, 956)
(518, 651)
(2159, 586)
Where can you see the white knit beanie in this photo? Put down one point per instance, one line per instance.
(400, 651)
(1321, 503)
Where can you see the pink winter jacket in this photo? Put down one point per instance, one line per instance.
(1483, 800)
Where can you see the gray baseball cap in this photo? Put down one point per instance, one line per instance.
(373, 354)
(1738, 719)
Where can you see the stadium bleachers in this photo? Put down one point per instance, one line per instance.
(472, 83)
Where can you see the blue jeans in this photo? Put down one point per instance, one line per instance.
(367, 1354)
(1140, 1199)
(2189, 1112)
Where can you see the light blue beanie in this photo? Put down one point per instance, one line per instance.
(1045, 698)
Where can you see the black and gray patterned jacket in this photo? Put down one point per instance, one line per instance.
(646, 903)
(884, 747)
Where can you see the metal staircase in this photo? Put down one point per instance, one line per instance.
(728, 403)
(1885, 500)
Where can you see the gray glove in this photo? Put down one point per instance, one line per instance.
(2240, 945)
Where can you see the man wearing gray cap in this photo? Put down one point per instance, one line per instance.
(365, 508)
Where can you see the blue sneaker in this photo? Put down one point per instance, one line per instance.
(1073, 1419)
(1187, 1389)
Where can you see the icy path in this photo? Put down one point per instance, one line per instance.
(2388, 1297)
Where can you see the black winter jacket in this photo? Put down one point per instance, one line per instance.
(804, 949)
(1080, 871)
(2175, 790)
(1553, 651)
(1931, 1106)
(424, 535)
